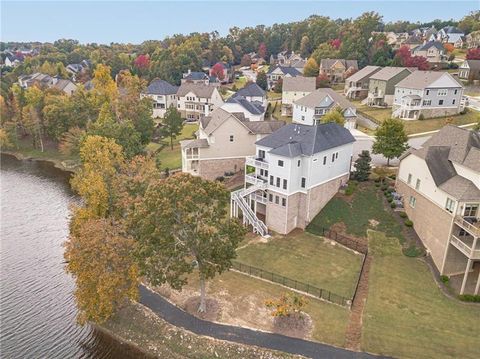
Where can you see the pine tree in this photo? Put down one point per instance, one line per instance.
(362, 166)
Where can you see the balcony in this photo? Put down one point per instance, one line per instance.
(259, 198)
(255, 179)
(466, 246)
(192, 156)
(256, 162)
(471, 225)
(376, 94)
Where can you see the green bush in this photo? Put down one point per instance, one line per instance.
(421, 117)
(393, 205)
(377, 180)
(390, 199)
(470, 298)
(393, 177)
(220, 179)
(390, 189)
(377, 185)
(444, 279)
(408, 223)
(413, 251)
(403, 214)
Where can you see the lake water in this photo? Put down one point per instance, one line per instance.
(37, 309)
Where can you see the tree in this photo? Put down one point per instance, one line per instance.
(262, 50)
(362, 166)
(172, 124)
(142, 62)
(311, 68)
(246, 60)
(390, 139)
(325, 51)
(217, 71)
(32, 115)
(470, 22)
(287, 305)
(334, 116)
(262, 80)
(305, 49)
(322, 81)
(103, 84)
(182, 224)
(448, 47)
(278, 86)
(71, 141)
(473, 54)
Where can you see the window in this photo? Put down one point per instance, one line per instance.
(440, 102)
(470, 210)
(333, 157)
(271, 180)
(412, 201)
(427, 102)
(298, 163)
(324, 160)
(231, 138)
(427, 92)
(284, 202)
(304, 180)
(409, 180)
(280, 163)
(455, 92)
(270, 197)
(453, 102)
(450, 205)
(277, 200)
(417, 184)
(278, 182)
(261, 154)
(284, 184)
(442, 92)
(336, 155)
(303, 118)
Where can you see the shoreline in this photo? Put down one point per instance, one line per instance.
(54, 162)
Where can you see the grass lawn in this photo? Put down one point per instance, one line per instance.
(272, 95)
(240, 82)
(277, 113)
(432, 124)
(242, 302)
(406, 314)
(306, 258)
(366, 205)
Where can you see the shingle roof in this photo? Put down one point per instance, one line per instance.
(263, 127)
(292, 71)
(327, 63)
(361, 74)
(430, 44)
(413, 40)
(473, 64)
(422, 79)
(201, 90)
(294, 139)
(161, 87)
(461, 188)
(195, 75)
(452, 30)
(253, 107)
(323, 97)
(251, 90)
(198, 143)
(62, 83)
(299, 83)
(388, 72)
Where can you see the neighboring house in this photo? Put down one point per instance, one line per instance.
(433, 51)
(13, 60)
(337, 69)
(440, 185)
(288, 59)
(413, 41)
(381, 87)
(427, 93)
(309, 110)
(163, 95)
(198, 77)
(227, 72)
(293, 89)
(449, 34)
(469, 70)
(275, 73)
(294, 173)
(253, 92)
(47, 81)
(473, 39)
(253, 110)
(195, 100)
(356, 86)
(223, 142)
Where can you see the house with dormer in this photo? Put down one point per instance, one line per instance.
(163, 95)
(433, 51)
(337, 69)
(195, 100)
(276, 73)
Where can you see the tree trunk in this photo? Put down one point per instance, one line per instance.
(203, 306)
(171, 142)
(388, 161)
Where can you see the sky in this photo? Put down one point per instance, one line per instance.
(137, 21)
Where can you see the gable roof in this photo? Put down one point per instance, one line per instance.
(61, 84)
(324, 97)
(299, 83)
(195, 75)
(452, 30)
(254, 107)
(389, 72)
(251, 90)
(292, 71)
(161, 87)
(263, 127)
(473, 64)
(326, 63)
(422, 79)
(429, 44)
(303, 140)
(200, 90)
(365, 72)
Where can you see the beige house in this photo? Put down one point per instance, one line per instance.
(356, 86)
(433, 51)
(195, 100)
(293, 89)
(223, 142)
(337, 69)
(440, 185)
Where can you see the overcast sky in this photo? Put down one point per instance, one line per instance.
(136, 21)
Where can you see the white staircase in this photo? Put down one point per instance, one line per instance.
(249, 216)
(397, 112)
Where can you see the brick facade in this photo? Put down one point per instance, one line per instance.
(211, 169)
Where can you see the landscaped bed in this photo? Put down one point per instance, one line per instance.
(306, 258)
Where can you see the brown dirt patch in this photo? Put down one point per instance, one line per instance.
(212, 312)
(298, 326)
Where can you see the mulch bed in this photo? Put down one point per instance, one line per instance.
(297, 326)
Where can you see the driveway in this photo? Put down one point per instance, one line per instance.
(474, 103)
(250, 75)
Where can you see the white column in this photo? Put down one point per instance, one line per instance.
(477, 287)
(465, 276)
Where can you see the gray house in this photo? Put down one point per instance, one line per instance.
(469, 70)
(356, 86)
(382, 85)
(427, 93)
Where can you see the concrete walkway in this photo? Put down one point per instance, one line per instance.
(180, 318)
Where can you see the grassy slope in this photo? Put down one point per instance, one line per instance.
(306, 258)
(407, 315)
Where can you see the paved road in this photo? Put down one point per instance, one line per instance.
(179, 318)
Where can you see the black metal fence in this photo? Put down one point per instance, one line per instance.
(292, 283)
(351, 243)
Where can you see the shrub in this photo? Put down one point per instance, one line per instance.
(444, 279)
(393, 177)
(377, 180)
(286, 305)
(377, 185)
(413, 251)
(421, 117)
(352, 185)
(390, 189)
(220, 179)
(393, 205)
(408, 223)
(469, 298)
(403, 214)
(390, 199)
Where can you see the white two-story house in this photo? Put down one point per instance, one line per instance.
(253, 93)
(427, 93)
(195, 100)
(163, 95)
(440, 185)
(294, 173)
(310, 109)
(293, 89)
